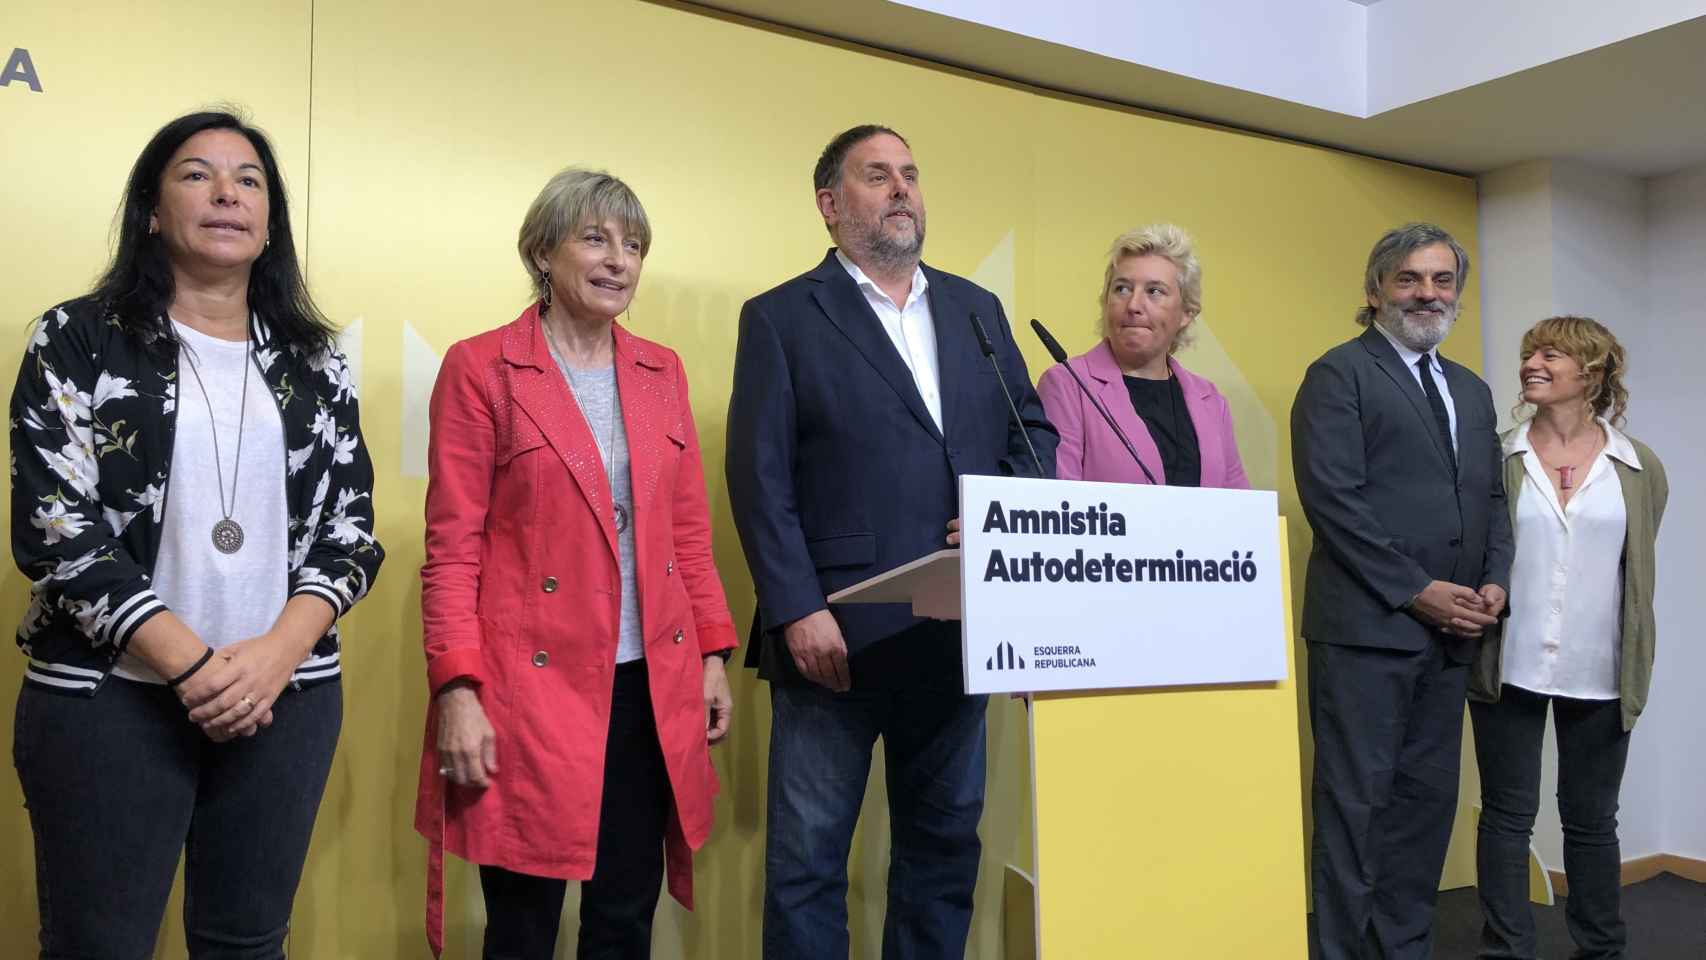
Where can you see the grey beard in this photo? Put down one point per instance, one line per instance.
(1420, 336)
(883, 251)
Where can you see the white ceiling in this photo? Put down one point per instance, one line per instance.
(1635, 106)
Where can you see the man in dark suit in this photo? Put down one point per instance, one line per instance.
(1397, 466)
(859, 398)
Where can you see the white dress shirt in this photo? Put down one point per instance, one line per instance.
(911, 328)
(1410, 357)
(1567, 581)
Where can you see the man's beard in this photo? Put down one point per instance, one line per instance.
(1419, 334)
(885, 250)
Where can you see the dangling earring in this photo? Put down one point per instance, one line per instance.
(545, 298)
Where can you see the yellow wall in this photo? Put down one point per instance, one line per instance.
(413, 137)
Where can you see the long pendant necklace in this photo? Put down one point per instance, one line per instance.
(607, 452)
(227, 533)
(619, 513)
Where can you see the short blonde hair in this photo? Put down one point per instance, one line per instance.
(1595, 348)
(1171, 242)
(569, 199)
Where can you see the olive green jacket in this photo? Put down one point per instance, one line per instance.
(1644, 494)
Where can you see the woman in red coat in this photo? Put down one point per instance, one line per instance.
(575, 628)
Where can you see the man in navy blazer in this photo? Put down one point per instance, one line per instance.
(860, 396)
(1398, 469)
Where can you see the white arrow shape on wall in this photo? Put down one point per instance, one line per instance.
(420, 370)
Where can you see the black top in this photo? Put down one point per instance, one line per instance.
(1161, 405)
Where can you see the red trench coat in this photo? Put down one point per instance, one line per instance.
(521, 593)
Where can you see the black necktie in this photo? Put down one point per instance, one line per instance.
(1442, 420)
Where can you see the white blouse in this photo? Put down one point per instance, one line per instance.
(1566, 596)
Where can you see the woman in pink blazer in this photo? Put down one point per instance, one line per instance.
(575, 626)
(1178, 421)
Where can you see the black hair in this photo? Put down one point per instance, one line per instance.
(828, 171)
(137, 285)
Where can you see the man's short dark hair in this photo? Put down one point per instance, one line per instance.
(828, 172)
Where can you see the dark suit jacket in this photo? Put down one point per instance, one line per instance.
(1388, 513)
(836, 471)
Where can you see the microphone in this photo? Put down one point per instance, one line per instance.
(1059, 354)
(988, 349)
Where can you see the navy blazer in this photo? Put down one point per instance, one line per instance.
(1388, 512)
(836, 471)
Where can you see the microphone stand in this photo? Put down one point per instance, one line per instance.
(988, 349)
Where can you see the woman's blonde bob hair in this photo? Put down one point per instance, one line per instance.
(1163, 240)
(1595, 348)
(570, 199)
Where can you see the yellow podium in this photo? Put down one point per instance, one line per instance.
(1168, 824)
(1167, 819)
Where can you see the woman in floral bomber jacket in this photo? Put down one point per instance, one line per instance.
(193, 503)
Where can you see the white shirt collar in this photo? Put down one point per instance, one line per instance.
(869, 286)
(1406, 354)
(1617, 444)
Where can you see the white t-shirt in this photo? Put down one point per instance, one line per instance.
(1566, 618)
(222, 597)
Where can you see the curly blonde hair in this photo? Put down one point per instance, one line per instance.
(1590, 344)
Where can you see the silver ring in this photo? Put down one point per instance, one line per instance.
(444, 771)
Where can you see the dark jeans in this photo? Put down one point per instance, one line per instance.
(820, 758)
(523, 912)
(1388, 731)
(1592, 749)
(119, 785)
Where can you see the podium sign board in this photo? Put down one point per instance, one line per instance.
(1073, 585)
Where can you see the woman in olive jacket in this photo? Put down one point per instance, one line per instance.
(1585, 501)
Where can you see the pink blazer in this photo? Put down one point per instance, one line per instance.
(1090, 451)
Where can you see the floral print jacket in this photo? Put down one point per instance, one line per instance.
(93, 419)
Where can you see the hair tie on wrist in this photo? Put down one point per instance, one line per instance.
(180, 678)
